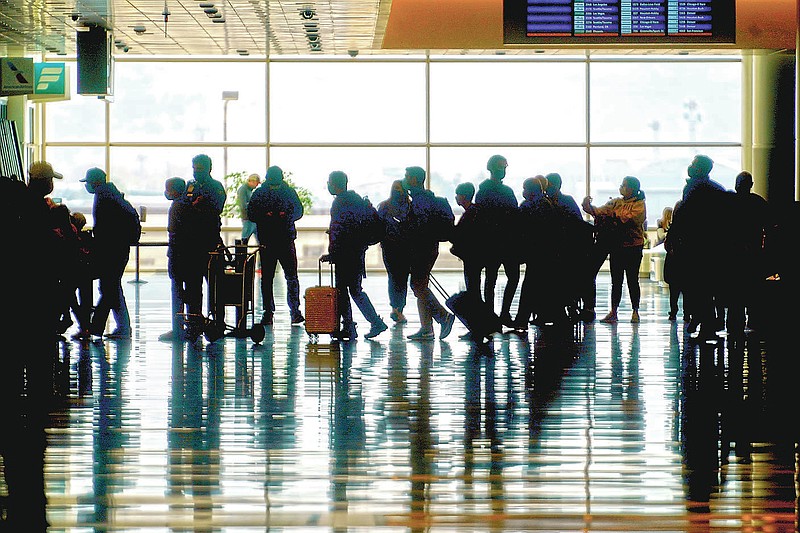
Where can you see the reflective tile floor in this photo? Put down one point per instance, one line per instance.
(631, 427)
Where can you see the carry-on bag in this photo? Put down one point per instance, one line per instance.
(478, 316)
(322, 313)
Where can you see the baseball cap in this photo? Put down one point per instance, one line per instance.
(43, 170)
(94, 175)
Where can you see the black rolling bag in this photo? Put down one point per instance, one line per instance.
(478, 316)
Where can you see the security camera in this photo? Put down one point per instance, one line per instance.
(125, 49)
(139, 30)
(352, 53)
(75, 17)
(307, 13)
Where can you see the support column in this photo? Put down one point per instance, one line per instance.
(771, 116)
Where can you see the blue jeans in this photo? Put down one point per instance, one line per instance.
(112, 298)
(348, 282)
(397, 261)
(248, 230)
(271, 255)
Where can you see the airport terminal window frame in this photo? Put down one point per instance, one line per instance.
(592, 118)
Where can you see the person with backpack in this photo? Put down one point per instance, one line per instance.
(116, 228)
(349, 235)
(432, 222)
(274, 208)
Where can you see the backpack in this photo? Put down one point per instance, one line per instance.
(130, 225)
(432, 217)
(441, 220)
(371, 229)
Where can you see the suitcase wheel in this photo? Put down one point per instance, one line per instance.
(257, 333)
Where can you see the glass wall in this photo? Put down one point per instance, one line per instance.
(592, 119)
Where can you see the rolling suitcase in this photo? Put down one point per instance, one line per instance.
(478, 317)
(322, 313)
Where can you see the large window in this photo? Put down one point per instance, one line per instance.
(592, 119)
(170, 102)
(508, 102)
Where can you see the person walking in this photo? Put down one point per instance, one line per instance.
(346, 249)
(626, 254)
(113, 218)
(243, 195)
(430, 225)
(395, 248)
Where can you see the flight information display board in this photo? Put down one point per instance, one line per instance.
(618, 21)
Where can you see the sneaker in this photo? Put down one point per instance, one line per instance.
(610, 318)
(506, 320)
(346, 333)
(421, 336)
(398, 316)
(118, 335)
(376, 329)
(635, 317)
(170, 336)
(266, 319)
(297, 318)
(447, 326)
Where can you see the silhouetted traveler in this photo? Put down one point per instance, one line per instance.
(38, 220)
(573, 250)
(83, 298)
(243, 195)
(275, 207)
(751, 219)
(563, 201)
(673, 271)
(199, 234)
(626, 253)
(346, 250)
(498, 210)
(704, 251)
(432, 223)
(396, 248)
(113, 219)
(177, 267)
(536, 220)
(467, 239)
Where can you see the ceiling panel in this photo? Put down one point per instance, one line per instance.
(325, 27)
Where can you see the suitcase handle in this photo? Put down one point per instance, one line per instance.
(438, 286)
(320, 271)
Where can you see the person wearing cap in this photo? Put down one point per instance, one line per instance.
(497, 213)
(111, 253)
(243, 195)
(274, 208)
(198, 231)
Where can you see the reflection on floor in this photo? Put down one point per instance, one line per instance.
(634, 427)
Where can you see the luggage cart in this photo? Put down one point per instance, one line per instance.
(231, 283)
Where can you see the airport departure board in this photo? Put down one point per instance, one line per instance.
(619, 21)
